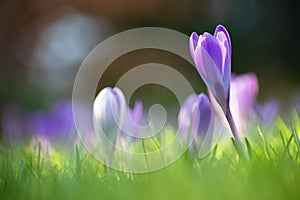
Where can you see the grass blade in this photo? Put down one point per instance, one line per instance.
(249, 148)
(296, 138)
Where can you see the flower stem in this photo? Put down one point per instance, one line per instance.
(235, 133)
(233, 126)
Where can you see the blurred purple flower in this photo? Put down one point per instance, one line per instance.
(243, 93)
(133, 119)
(212, 57)
(137, 112)
(267, 112)
(54, 127)
(109, 109)
(194, 119)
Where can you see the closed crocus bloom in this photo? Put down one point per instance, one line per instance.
(212, 57)
(195, 118)
(109, 108)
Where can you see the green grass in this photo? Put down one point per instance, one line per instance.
(273, 172)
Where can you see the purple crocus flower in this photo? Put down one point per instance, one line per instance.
(109, 109)
(212, 57)
(194, 119)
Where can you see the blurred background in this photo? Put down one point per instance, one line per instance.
(43, 42)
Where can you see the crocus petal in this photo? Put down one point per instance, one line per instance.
(193, 43)
(211, 75)
(226, 59)
(219, 29)
(212, 47)
(222, 35)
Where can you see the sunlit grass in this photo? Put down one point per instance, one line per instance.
(273, 172)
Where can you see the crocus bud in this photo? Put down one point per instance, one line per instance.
(195, 118)
(109, 108)
(212, 57)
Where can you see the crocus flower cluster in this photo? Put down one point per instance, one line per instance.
(231, 100)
